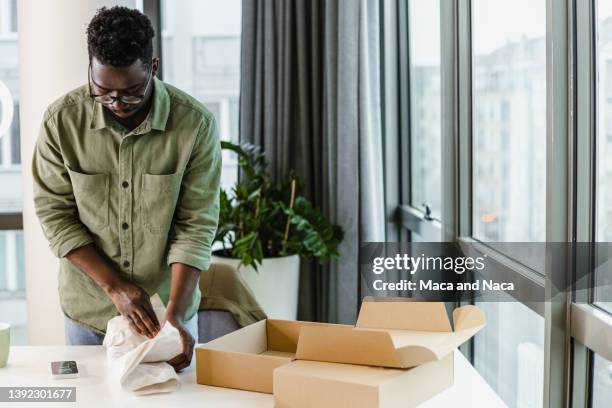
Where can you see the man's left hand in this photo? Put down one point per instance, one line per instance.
(182, 360)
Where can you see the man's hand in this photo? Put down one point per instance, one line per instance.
(184, 280)
(130, 299)
(134, 304)
(182, 360)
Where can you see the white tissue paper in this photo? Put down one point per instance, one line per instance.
(139, 362)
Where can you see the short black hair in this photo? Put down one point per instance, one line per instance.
(118, 36)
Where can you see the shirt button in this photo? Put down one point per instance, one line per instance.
(125, 225)
(126, 263)
(125, 184)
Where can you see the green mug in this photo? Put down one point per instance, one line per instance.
(5, 342)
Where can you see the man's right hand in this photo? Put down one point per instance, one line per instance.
(134, 304)
(130, 299)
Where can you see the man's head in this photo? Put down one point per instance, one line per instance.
(120, 46)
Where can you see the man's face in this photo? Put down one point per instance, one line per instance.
(123, 81)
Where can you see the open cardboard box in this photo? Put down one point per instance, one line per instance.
(246, 358)
(347, 367)
(398, 355)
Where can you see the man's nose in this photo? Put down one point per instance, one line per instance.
(117, 103)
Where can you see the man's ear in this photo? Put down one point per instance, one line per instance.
(155, 66)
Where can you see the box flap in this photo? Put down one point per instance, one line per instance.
(344, 344)
(227, 369)
(408, 315)
(250, 339)
(468, 317)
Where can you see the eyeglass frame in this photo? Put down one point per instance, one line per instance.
(113, 99)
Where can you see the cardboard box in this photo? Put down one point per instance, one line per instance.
(345, 366)
(398, 355)
(246, 358)
(307, 384)
(398, 334)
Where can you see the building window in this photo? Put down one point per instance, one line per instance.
(216, 52)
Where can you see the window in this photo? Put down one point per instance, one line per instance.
(527, 85)
(509, 352)
(201, 56)
(425, 105)
(508, 179)
(509, 120)
(12, 271)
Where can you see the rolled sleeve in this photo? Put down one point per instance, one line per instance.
(197, 211)
(54, 200)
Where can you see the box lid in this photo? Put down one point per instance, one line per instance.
(390, 333)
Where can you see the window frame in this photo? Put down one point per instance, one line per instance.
(588, 321)
(569, 159)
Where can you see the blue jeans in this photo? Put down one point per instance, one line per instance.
(79, 335)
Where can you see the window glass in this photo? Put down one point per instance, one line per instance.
(509, 120)
(509, 353)
(602, 382)
(425, 104)
(12, 273)
(201, 56)
(603, 226)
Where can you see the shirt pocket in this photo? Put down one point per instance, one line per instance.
(158, 200)
(91, 196)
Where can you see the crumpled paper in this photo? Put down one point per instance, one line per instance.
(139, 363)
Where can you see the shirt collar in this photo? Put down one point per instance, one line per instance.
(161, 106)
(160, 109)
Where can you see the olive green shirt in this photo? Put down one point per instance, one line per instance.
(147, 198)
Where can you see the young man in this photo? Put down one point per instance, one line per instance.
(126, 186)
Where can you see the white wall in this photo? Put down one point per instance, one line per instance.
(52, 61)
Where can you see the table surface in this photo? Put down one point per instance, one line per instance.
(29, 366)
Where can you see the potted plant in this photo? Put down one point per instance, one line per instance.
(265, 227)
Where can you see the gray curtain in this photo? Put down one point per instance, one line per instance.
(310, 96)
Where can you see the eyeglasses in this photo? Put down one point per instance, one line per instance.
(106, 99)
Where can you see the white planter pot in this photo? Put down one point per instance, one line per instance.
(275, 284)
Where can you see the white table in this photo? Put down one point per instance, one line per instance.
(29, 366)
